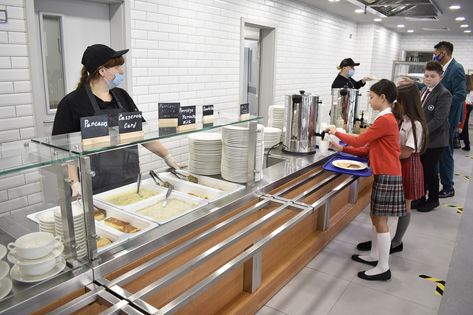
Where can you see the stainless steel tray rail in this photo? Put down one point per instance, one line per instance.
(252, 253)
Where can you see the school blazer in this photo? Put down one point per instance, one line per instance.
(436, 109)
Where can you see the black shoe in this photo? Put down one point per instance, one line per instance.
(429, 206)
(445, 193)
(364, 246)
(357, 258)
(367, 246)
(379, 277)
(415, 204)
(466, 148)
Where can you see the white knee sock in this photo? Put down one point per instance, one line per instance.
(373, 256)
(384, 245)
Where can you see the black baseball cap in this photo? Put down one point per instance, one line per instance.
(97, 55)
(348, 62)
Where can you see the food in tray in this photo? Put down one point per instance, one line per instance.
(131, 196)
(99, 214)
(349, 165)
(122, 226)
(197, 195)
(103, 241)
(174, 208)
(193, 179)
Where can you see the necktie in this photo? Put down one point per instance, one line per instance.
(424, 97)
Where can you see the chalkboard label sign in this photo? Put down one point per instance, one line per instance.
(208, 110)
(130, 122)
(244, 109)
(186, 115)
(168, 110)
(94, 126)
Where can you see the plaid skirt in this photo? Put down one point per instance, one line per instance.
(387, 196)
(413, 177)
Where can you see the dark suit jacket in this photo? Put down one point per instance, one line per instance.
(454, 80)
(436, 108)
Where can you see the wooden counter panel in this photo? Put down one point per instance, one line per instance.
(60, 302)
(178, 286)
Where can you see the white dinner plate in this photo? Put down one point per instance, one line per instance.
(3, 251)
(349, 165)
(5, 287)
(4, 269)
(17, 276)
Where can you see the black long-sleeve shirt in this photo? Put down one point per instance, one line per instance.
(341, 82)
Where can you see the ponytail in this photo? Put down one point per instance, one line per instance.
(84, 77)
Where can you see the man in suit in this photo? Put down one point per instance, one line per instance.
(454, 80)
(436, 102)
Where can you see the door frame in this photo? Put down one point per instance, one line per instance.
(267, 78)
(120, 38)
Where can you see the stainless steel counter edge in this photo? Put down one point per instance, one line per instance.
(292, 166)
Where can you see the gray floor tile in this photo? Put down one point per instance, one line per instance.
(355, 232)
(266, 310)
(336, 261)
(361, 300)
(309, 292)
(405, 282)
(441, 223)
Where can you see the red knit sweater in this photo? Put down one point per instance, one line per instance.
(380, 142)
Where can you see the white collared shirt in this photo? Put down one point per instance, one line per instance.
(406, 134)
(384, 112)
(446, 65)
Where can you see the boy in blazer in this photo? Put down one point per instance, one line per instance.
(436, 102)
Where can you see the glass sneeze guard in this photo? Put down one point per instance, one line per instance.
(29, 155)
(73, 142)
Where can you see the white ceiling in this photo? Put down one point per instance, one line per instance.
(346, 9)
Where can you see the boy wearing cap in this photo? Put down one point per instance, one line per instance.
(98, 94)
(345, 76)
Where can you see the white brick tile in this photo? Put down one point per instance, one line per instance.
(146, 25)
(139, 34)
(22, 86)
(168, 28)
(18, 122)
(15, 99)
(24, 190)
(6, 87)
(17, 37)
(11, 181)
(24, 110)
(13, 204)
(168, 10)
(3, 196)
(156, 17)
(145, 6)
(3, 37)
(15, 74)
(34, 176)
(9, 135)
(13, 25)
(7, 112)
(35, 198)
(138, 15)
(157, 35)
(5, 62)
(20, 62)
(15, 12)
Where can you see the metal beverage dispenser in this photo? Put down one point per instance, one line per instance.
(301, 112)
(343, 112)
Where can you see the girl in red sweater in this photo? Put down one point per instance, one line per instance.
(381, 143)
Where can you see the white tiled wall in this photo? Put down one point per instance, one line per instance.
(189, 51)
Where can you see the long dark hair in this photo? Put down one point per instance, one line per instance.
(386, 87)
(469, 82)
(409, 98)
(85, 77)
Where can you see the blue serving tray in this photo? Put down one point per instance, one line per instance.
(345, 156)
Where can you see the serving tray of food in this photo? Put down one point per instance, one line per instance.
(178, 205)
(348, 165)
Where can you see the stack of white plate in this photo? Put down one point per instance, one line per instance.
(46, 222)
(276, 116)
(235, 153)
(272, 136)
(79, 228)
(205, 153)
(5, 282)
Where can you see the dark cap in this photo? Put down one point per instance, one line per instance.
(348, 62)
(97, 55)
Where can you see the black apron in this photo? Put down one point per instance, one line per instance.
(113, 168)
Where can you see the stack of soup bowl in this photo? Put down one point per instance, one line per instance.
(36, 256)
(5, 282)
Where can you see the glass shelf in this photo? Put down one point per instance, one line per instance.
(73, 142)
(20, 157)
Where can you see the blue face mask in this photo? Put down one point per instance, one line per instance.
(437, 58)
(351, 73)
(117, 80)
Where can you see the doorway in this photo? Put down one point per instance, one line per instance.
(257, 67)
(59, 31)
